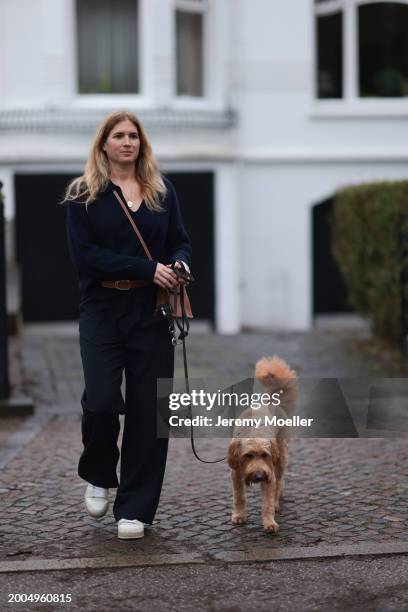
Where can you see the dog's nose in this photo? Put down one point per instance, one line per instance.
(258, 476)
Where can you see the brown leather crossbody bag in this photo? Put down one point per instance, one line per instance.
(176, 302)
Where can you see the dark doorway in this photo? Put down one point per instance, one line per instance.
(195, 191)
(49, 287)
(329, 290)
(48, 282)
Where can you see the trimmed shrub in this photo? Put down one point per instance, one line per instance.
(368, 225)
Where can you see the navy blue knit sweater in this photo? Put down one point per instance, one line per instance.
(103, 245)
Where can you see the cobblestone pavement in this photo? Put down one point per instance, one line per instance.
(338, 491)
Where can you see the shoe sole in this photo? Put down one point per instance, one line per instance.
(131, 537)
(96, 515)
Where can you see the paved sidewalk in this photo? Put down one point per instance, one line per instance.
(349, 494)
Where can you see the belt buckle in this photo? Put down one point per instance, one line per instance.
(122, 281)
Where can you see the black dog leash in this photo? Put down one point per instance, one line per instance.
(184, 327)
(190, 411)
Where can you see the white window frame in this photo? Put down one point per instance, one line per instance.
(152, 60)
(143, 99)
(215, 35)
(351, 103)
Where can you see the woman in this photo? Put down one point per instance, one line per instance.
(117, 327)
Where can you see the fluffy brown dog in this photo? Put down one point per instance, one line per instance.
(263, 458)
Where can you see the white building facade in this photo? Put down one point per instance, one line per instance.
(280, 100)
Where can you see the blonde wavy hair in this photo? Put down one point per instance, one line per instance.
(97, 170)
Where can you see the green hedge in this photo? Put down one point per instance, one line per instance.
(367, 222)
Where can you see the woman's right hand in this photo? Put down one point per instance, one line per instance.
(165, 277)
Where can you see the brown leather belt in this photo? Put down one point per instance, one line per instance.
(125, 284)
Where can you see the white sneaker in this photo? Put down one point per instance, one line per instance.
(96, 501)
(130, 529)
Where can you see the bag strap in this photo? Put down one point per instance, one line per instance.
(133, 224)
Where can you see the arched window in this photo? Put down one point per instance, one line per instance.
(361, 49)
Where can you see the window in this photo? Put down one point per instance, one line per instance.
(383, 49)
(107, 46)
(329, 54)
(190, 26)
(361, 49)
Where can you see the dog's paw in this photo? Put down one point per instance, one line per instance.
(271, 526)
(238, 519)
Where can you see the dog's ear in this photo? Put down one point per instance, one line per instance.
(275, 451)
(234, 454)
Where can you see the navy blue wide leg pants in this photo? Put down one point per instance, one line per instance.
(119, 334)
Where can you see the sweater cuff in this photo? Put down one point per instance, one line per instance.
(185, 264)
(186, 267)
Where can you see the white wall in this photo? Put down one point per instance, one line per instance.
(292, 155)
(274, 70)
(275, 234)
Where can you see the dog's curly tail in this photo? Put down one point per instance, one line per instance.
(276, 375)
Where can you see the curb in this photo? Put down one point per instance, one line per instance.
(239, 556)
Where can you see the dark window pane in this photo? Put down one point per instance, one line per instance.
(329, 55)
(383, 49)
(107, 46)
(189, 44)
